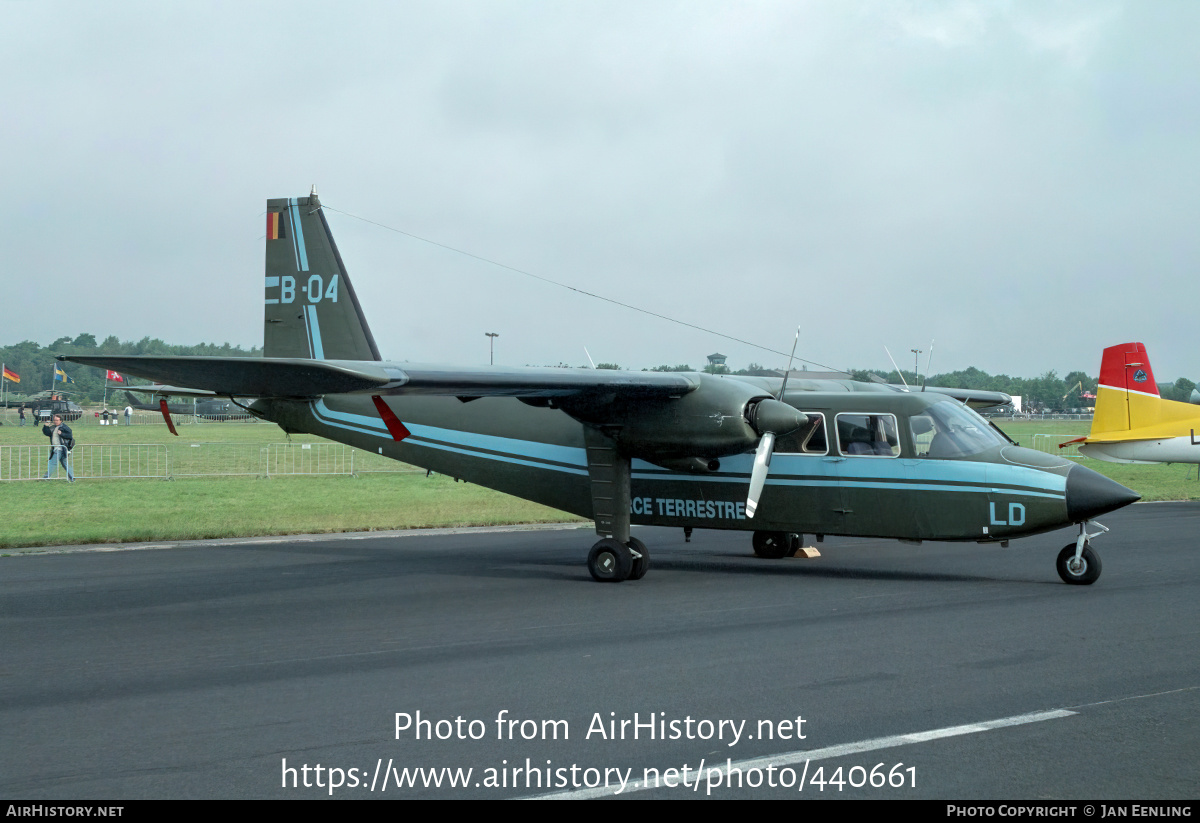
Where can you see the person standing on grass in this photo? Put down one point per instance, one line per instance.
(21, 413)
(61, 443)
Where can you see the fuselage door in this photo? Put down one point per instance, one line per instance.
(804, 461)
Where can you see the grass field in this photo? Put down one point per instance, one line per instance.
(1152, 482)
(117, 511)
(124, 510)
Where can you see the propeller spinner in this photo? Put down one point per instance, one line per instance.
(771, 419)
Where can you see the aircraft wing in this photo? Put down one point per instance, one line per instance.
(296, 377)
(975, 398)
(246, 376)
(493, 381)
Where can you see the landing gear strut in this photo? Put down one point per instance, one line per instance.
(1078, 562)
(617, 556)
(641, 559)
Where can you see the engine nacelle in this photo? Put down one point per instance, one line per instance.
(721, 417)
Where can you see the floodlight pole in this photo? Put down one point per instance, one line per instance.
(916, 362)
(491, 347)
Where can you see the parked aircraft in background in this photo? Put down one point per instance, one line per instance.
(1133, 424)
(210, 408)
(689, 450)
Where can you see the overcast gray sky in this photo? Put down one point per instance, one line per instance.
(1019, 181)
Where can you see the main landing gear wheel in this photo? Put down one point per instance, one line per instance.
(610, 561)
(775, 545)
(1081, 572)
(641, 565)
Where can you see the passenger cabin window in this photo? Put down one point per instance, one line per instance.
(869, 435)
(808, 439)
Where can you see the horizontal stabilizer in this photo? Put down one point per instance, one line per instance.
(247, 376)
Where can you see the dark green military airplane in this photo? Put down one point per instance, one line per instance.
(666, 449)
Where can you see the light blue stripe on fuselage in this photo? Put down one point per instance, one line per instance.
(462, 441)
(851, 472)
(867, 469)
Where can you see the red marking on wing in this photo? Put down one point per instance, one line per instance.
(162, 404)
(390, 419)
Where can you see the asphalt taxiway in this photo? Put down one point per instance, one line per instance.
(210, 669)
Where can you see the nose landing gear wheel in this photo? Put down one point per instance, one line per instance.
(1081, 572)
(610, 561)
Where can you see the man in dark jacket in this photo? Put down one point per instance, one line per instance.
(61, 443)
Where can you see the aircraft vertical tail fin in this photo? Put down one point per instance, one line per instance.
(311, 309)
(1127, 396)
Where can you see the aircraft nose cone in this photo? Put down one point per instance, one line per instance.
(1090, 494)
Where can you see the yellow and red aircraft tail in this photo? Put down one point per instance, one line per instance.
(1127, 399)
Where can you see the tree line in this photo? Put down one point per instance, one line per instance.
(1049, 392)
(35, 363)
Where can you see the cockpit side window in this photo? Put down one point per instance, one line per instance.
(949, 430)
(808, 439)
(870, 435)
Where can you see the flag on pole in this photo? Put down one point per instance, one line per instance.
(112, 375)
(9, 374)
(61, 376)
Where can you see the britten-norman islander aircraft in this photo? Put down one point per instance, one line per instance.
(1133, 424)
(667, 449)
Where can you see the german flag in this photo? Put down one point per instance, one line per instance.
(9, 374)
(274, 225)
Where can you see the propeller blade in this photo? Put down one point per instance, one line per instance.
(758, 477)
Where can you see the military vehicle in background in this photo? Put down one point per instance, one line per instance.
(45, 404)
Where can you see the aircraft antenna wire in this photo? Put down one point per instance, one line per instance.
(584, 292)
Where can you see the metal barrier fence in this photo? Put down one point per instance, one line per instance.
(1026, 418)
(198, 460)
(310, 458)
(218, 459)
(86, 461)
(1049, 443)
(10, 417)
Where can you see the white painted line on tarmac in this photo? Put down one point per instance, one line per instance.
(792, 758)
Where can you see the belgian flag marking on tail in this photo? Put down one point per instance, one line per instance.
(274, 226)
